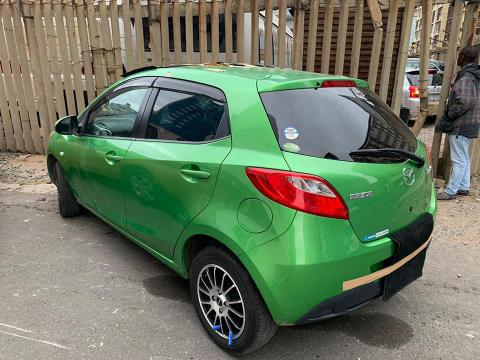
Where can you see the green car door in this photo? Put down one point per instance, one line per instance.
(106, 136)
(170, 174)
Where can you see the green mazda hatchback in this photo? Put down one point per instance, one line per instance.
(285, 197)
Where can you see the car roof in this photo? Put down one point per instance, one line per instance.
(224, 75)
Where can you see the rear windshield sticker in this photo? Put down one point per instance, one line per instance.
(291, 147)
(290, 133)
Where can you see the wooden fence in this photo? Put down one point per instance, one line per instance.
(57, 55)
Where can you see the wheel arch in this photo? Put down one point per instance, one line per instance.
(52, 169)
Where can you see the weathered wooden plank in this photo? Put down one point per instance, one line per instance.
(27, 79)
(177, 36)
(155, 34)
(342, 37)
(402, 55)
(202, 29)
(282, 28)
(268, 40)
(254, 39)
(298, 32)
(312, 35)
(228, 32)
(6, 116)
(376, 15)
(327, 36)
(75, 58)
(98, 61)
(165, 36)
(241, 31)
(85, 50)
(189, 31)
(127, 31)
(214, 31)
(17, 77)
(427, 9)
(357, 37)
(106, 40)
(140, 44)
(46, 71)
(388, 51)
(55, 64)
(116, 43)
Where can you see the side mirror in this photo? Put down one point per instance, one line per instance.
(67, 125)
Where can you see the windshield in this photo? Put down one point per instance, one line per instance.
(333, 122)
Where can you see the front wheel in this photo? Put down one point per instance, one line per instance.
(228, 303)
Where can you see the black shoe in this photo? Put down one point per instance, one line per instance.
(445, 196)
(463, 192)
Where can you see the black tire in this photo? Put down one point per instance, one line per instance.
(258, 326)
(67, 204)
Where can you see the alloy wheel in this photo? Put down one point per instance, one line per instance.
(221, 301)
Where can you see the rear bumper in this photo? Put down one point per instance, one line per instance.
(344, 303)
(301, 274)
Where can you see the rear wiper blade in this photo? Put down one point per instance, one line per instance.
(389, 152)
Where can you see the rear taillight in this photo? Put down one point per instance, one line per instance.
(303, 192)
(338, 83)
(414, 92)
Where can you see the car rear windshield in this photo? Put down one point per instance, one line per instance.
(433, 79)
(333, 122)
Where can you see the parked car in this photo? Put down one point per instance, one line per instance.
(285, 197)
(410, 105)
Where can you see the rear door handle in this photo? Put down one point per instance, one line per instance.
(111, 158)
(195, 173)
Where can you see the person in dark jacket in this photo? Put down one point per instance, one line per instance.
(462, 122)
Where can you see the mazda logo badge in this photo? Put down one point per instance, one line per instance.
(408, 176)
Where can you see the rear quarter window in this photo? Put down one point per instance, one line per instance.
(332, 122)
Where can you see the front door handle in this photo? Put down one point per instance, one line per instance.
(112, 158)
(199, 174)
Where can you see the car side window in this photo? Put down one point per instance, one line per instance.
(178, 116)
(116, 115)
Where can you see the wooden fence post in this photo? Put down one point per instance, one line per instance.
(327, 36)
(202, 24)
(402, 55)
(228, 32)
(165, 33)
(312, 35)
(299, 21)
(127, 32)
(189, 31)
(387, 56)
(254, 36)
(177, 36)
(214, 31)
(282, 21)
(341, 38)
(117, 47)
(376, 15)
(268, 50)
(85, 48)
(424, 65)
(357, 37)
(140, 44)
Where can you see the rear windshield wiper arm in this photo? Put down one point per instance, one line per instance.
(389, 152)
